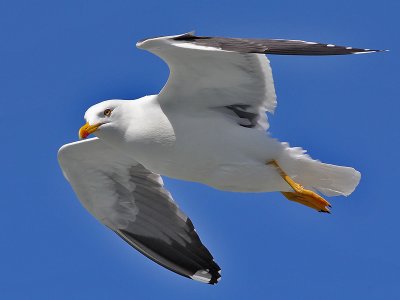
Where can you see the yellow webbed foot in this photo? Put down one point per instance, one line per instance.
(302, 195)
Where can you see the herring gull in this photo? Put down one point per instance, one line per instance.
(209, 125)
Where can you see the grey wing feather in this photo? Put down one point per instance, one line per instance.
(271, 46)
(176, 245)
(132, 201)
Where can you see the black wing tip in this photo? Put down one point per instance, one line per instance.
(298, 47)
(362, 51)
(207, 271)
(272, 46)
(208, 276)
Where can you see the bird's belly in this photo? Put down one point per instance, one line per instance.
(222, 164)
(206, 149)
(224, 174)
(180, 161)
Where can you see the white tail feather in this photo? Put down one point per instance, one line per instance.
(330, 180)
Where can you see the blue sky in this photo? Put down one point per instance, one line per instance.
(57, 58)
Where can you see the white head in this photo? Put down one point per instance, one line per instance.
(102, 117)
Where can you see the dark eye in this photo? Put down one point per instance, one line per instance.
(107, 112)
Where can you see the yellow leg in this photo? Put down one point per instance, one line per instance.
(300, 194)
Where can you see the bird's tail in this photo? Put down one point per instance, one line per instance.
(330, 180)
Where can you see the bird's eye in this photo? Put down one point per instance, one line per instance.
(107, 112)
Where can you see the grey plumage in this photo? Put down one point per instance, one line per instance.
(132, 201)
(270, 46)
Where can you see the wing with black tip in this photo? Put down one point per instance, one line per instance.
(133, 202)
(228, 75)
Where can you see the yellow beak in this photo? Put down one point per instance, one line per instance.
(87, 129)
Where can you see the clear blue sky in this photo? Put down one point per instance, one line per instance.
(59, 57)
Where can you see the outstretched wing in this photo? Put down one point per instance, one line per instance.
(133, 202)
(231, 75)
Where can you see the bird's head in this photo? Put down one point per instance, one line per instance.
(102, 116)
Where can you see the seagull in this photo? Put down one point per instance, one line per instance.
(208, 125)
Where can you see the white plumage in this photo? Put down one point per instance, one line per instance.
(207, 125)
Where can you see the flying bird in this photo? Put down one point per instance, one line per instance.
(209, 125)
